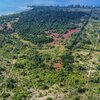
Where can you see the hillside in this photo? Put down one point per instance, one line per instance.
(50, 53)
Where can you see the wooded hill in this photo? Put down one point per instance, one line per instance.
(50, 53)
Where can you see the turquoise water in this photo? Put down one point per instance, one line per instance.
(12, 6)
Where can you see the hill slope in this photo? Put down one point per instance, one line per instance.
(50, 53)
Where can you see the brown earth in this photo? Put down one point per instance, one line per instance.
(68, 34)
(57, 65)
(61, 37)
(9, 26)
(56, 37)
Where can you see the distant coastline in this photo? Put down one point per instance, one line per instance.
(16, 11)
(29, 7)
(16, 6)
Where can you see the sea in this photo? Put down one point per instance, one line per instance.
(14, 6)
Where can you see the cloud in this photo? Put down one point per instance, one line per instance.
(49, 2)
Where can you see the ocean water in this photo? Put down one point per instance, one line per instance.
(13, 6)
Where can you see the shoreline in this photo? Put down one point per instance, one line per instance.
(15, 12)
(29, 7)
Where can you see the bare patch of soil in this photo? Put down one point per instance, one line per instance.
(59, 38)
(68, 34)
(9, 26)
(57, 65)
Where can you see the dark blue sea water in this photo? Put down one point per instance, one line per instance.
(12, 6)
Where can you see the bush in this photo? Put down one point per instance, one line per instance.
(98, 67)
(19, 65)
(20, 96)
(81, 68)
(81, 90)
(69, 68)
(5, 95)
(49, 98)
(11, 83)
(77, 98)
(45, 87)
(1, 70)
(95, 80)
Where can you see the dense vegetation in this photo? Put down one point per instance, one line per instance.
(32, 68)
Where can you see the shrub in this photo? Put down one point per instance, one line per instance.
(49, 98)
(98, 67)
(95, 80)
(69, 68)
(20, 96)
(11, 83)
(44, 87)
(5, 95)
(81, 90)
(1, 70)
(19, 65)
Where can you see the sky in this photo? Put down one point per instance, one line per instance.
(67, 2)
(10, 6)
